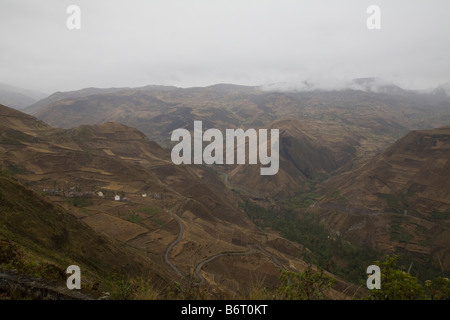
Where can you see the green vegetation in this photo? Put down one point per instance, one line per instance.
(13, 170)
(303, 285)
(338, 196)
(81, 202)
(325, 250)
(306, 285)
(157, 221)
(394, 201)
(12, 257)
(398, 233)
(303, 200)
(237, 190)
(139, 288)
(332, 253)
(440, 215)
(134, 218)
(399, 285)
(149, 210)
(410, 192)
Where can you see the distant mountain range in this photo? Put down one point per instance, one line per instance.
(18, 98)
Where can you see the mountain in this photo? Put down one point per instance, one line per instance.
(370, 120)
(309, 150)
(379, 117)
(397, 201)
(41, 103)
(353, 173)
(182, 219)
(415, 167)
(18, 98)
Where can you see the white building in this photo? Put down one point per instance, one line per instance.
(117, 198)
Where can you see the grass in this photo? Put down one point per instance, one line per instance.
(394, 201)
(157, 221)
(80, 202)
(338, 196)
(440, 215)
(398, 233)
(13, 257)
(13, 170)
(303, 200)
(149, 210)
(134, 218)
(237, 190)
(146, 212)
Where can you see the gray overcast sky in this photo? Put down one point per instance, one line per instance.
(197, 43)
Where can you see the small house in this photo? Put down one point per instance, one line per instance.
(117, 198)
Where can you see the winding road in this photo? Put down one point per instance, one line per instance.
(198, 268)
(173, 244)
(201, 264)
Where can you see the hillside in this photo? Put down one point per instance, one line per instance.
(397, 201)
(327, 131)
(310, 150)
(54, 233)
(41, 103)
(378, 117)
(181, 218)
(349, 180)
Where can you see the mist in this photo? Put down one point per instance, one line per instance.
(294, 44)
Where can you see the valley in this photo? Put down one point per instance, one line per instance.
(361, 174)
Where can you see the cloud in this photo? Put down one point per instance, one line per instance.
(202, 42)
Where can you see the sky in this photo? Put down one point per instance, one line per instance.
(189, 43)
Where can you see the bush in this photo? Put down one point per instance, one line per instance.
(399, 285)
(306, 285)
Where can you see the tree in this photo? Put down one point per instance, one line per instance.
(396, 284)
(439, 289)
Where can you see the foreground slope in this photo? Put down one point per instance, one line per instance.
(49, 234)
